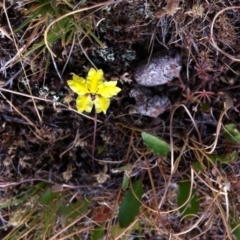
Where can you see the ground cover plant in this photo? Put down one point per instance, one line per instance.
(78, 158)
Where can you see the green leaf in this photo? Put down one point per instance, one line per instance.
(48, 197)
(130, 205)
(231, 133)
(197, 166)
(125, 182)
(155, 144)
(73, 210)
(225, 158)
(190, 208)
(98, 232)
(100, 149)
(116, 231)
(234, 222)
(236, 233)
(127, 169)
(205, 107)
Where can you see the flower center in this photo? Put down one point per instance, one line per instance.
(93, 96)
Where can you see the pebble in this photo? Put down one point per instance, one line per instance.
(162, 67)
(148, 104)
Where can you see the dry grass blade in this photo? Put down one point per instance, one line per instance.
(57, 182)
(212, 33)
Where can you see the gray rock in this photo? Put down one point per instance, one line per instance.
(163, 67)
(146, 104)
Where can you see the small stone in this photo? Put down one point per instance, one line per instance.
(163, 67)
(146, 104)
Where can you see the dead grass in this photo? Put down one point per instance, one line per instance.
(48, 185)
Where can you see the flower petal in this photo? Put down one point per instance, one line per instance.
(94, 79)
(101, 104)
(78, 79)
(78, 85)
(84, 103)
(108, 89)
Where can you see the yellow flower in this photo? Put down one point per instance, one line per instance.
(93, 91)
